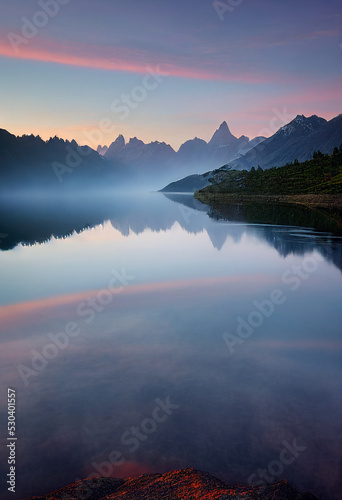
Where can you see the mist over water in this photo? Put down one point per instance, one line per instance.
(152, 286)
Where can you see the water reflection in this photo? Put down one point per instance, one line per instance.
(235, 410)
(35, 220)
(161, 336)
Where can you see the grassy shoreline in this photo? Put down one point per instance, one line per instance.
(322, 212)
(308, 200)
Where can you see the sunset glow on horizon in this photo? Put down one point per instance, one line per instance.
(67, 69)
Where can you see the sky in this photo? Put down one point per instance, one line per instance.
(166, 70)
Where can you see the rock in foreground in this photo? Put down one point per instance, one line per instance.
(187, 484)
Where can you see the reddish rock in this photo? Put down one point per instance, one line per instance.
(186, 484)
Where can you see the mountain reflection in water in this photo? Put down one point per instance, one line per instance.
(36, 220)
(187, 277)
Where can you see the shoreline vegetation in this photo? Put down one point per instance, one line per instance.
(311, 193)
(329, 201)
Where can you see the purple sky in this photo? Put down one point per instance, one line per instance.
(82, 70)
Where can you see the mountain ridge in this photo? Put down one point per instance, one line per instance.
(32, 162)
(221, 148)
(222, 136)
(296, 140)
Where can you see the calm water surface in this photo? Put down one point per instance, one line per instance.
(152, 337)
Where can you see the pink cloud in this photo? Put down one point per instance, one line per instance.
(316, 94)
(19, 314)
(119, 59)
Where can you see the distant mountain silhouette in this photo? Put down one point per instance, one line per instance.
(192, 151)
(224, 146)
(299, 139)
(223, 137)
(28, 162)
(189, 184)
(102, 150)
(176, 485)
(143, 159)
(296, 140)
(159, 157)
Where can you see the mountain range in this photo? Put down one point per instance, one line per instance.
(299, 139)
(295, 140)
(29, 161)
(193, 155)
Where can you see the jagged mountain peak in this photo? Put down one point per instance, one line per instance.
(222, 136)
(116, 148)
(300, 118)
(120, 139)
(295, 140)
(119, 142)
(135, 142)
(223, 126)
(302, 125)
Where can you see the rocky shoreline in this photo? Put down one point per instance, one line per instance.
(185, 484)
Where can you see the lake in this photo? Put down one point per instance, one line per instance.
(146, 333)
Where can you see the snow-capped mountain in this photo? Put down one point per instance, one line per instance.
(299, 139)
